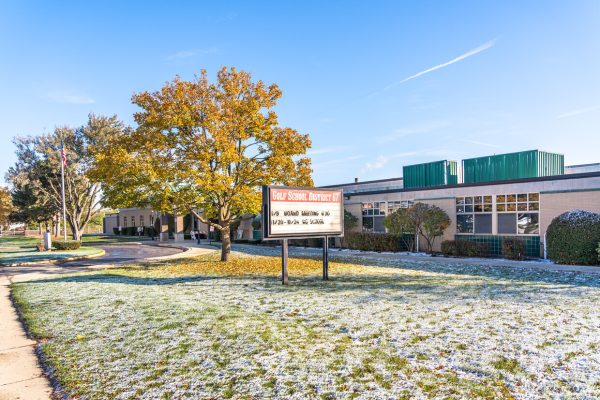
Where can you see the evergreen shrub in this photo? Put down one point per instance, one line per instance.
(66, 244)
(572, 238)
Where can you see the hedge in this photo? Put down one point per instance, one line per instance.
(513, 248)
(464, 248)
(66, 244)
(572, 238)
(373, 242)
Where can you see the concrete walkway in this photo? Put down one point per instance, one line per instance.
(21, 376)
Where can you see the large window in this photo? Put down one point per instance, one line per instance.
(395, 205)
(141, 220)
(373, 215)
(517, 214)
(474, 214)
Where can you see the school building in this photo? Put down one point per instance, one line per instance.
(487, 198)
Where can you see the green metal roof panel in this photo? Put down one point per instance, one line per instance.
(435, 173)
(521, 165)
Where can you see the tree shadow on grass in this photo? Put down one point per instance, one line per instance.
(400, 287)
(518, 274)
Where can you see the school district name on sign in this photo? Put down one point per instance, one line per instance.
(299, 212)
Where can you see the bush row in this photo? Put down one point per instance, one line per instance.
(512, 248)
(66, 244)
(464, 248)
(373, 242)
(133, 231)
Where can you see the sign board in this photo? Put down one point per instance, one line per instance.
(290, 212)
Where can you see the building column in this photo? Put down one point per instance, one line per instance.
(164, 227)
(178, 234)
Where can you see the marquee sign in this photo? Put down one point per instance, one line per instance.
(302, 212)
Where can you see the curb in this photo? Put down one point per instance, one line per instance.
(74, 258)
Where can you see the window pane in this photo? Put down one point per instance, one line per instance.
(529, 224)
(478, 208)
(507, 224)
(501, 198)
(483, 223)
(534, 197)
(487, 199)
(460, 209)
(522, 206)
(378, 224)
(460, 200)
(487, 208)
(534, 206)
(500, 207)
(469, 209)
(468, 200)
(367, 224)
(522, 197)
(511, 207)
(511, 198)
(464, 223)
(478, 200)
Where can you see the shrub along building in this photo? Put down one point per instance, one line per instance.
(488, 199)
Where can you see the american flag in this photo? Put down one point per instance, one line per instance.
(63, 155)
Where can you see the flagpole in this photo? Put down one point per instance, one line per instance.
(62, 178)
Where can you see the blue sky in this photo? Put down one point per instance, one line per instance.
(376, 84)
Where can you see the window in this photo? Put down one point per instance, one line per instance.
(518, 214)
(474, 214)
(395, 205)
(373, 215)
(464, 223)
(132, 220)
(528, 223)
(124, 222)
(518, 202)
(483, 223)
(507, 224)
(141, 220)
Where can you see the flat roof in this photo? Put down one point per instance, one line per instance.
(362, 182)
(582, 165)
(493, 183)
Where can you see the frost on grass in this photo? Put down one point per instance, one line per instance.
(201, 329)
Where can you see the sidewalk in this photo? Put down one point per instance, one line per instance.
(20, 374)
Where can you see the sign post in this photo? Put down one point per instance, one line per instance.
(284, 261)
(326, 258)
(300, 213)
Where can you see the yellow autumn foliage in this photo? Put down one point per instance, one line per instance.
(243, 265)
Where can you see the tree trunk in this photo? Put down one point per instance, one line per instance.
(225, 243)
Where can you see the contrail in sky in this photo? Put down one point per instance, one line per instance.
(476, 50)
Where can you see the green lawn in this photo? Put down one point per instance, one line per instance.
(18, 241)
(203, 329)
(25, 254)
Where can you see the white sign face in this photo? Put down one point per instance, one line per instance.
(304, 212)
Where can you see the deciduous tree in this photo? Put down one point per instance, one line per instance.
(421, 219)
(6, 207)
(37, 171)
(203, 146)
